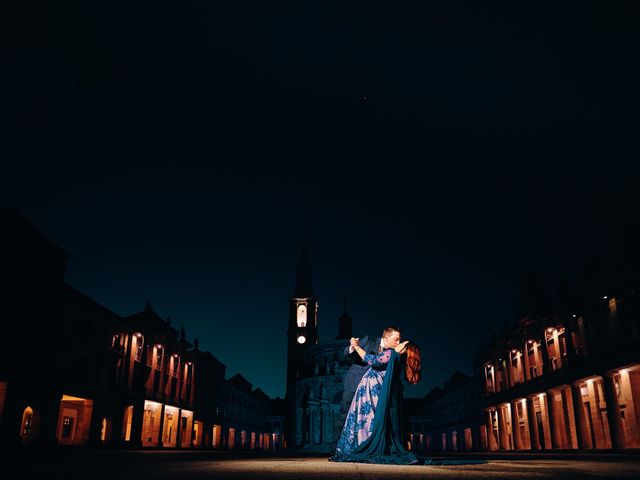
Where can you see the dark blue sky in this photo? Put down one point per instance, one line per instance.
(175, 151)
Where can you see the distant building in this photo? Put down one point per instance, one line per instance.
(445, 419)
(76, 373)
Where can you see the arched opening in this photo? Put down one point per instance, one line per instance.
(302, 316)
(28, 426)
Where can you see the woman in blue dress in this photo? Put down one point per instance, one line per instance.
(368, 435)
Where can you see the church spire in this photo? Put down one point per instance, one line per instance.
(303, 278)
(344, 323)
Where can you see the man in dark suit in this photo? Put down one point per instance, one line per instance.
(371, 344)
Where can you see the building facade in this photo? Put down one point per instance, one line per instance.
(565, 377)
(566, 381)
(79, 374)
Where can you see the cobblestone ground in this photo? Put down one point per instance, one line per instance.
(139, 465)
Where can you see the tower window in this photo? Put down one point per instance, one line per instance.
(302, 316)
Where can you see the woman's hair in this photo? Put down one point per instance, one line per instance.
(413, 366)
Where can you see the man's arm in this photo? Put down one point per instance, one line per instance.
(350, 352)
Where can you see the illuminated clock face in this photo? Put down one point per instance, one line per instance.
(302, 339)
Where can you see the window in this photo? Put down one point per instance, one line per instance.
(139, 346)
(488, 370)
(117, 343)
(158, 357)
(616, 383)
(172, 367)
(531, 359)
(27, 421)
(302, 316)
(515, 363)
(67, 427)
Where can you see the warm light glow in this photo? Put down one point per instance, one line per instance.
(302, 316)
(71, 398)
(550, 330)
(301, 339)
(149, 405)
(158, 346)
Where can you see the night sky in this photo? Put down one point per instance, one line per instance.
(435, 157)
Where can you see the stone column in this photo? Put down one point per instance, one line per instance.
(534, 436)
(136, 423)
(613, 411)
(515, 426)
(546, 421)
(179, 431)
(599, 430)
(556, 438)
(582, 428)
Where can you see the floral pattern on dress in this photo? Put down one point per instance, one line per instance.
(359, 422)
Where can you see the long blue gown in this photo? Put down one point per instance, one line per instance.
(368, 435)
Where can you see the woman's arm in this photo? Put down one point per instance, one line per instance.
(378, 360)
(360, 351)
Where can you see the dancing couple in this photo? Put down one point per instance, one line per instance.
(372, 401)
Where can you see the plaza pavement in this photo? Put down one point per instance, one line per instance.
(71, 464)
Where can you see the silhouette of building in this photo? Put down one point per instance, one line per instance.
(76, 373)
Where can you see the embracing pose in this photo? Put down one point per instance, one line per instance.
(371, 431)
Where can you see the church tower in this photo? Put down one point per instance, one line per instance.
(302, 331)
(303, 320)
(344, 324)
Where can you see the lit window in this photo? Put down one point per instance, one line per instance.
(67, 427)
(139, 346)
(302, 316)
